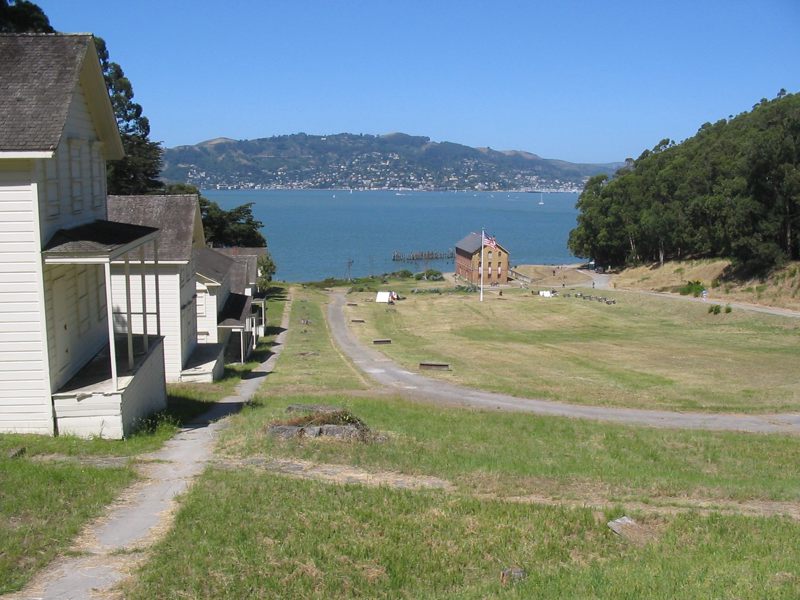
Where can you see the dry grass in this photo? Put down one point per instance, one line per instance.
(542, 275)
(642, 352)
(780, 289)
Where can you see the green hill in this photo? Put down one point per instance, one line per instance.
(348, 160)
(730, 191)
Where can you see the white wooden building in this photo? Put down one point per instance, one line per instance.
(66, 365)
(178, 218)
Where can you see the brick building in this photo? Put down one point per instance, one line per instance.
(468, 261)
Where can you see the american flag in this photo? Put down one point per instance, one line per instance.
(489, 241)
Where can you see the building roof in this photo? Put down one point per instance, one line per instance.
(39, 74)
(177, 216)
(245, 272)
(98, 239)
(472, 244)
(236, 310)
(211, 264)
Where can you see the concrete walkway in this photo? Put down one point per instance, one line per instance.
(112, 547)
(390, 375)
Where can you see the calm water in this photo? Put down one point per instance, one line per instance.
(313, 233)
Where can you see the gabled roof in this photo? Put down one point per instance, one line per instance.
(177, 216)
(98, 239)
(39, 74)
(472, 244)
(245, 272)
(236, 310)
(211, 264)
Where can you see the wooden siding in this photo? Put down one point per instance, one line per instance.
(25, 404)
(171, 314)
(76, 318)
(188, 311)
(72, 183)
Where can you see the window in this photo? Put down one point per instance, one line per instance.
(101, 294)
(76, 174)
(83, 302)
(98, 173)
(52, 199)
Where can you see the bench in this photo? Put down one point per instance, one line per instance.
(435, 366)
(352, 304)
(357, 321)
(382, 341)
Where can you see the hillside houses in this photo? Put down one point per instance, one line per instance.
(66, 364)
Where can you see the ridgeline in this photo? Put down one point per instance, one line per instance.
(363, 161)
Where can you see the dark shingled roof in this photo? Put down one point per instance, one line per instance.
(99, 238)
(173, 215)
(470, 244)
(237, 308)
(212, 264)
(245, 272)
(38, 75)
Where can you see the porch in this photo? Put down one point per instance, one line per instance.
(92, 403)
(206, 364)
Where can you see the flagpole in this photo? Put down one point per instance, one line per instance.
(480, 267)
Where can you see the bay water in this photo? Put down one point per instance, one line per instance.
(314, 234)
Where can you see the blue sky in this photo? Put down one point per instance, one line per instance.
(584, 81)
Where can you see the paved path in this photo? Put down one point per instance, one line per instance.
(603, 282)
(115, 544)
(389, 374)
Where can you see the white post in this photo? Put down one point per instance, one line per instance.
(128, 311)
(158, 295)
(112, 347)
(241, 345)
(480, 266)
(144, 297)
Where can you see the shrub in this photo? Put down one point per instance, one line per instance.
(695, 288)
(728, 308)
(714, 309)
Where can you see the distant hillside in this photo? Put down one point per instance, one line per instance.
(348, 160)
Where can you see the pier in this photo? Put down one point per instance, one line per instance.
(423, 255)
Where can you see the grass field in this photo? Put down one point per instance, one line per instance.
(525, 491)
(642, 352)
(54, 488)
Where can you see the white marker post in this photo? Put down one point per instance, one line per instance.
(480, 267)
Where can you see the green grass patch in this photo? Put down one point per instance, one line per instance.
(43, 507)
(310, 361)
(512, 454)
(285, 538)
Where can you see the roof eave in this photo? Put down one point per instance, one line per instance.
(100, 104)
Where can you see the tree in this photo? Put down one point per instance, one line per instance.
(235, 227)
(21, 16)
(266, 271)
(139, 170)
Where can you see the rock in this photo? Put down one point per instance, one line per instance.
(285, 432)
(631, 531)
(313, 408)
(311, 431)
(342, 432)
(17, 452)
(512, 575)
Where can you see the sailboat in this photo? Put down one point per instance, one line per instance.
(541, 201)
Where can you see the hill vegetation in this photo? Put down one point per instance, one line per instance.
(362, 161)
(732, 190)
